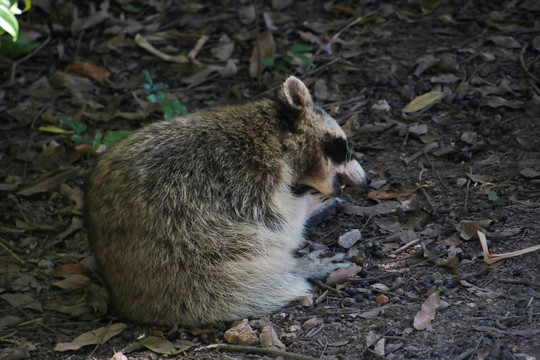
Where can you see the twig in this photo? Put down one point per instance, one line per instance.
(21, 60)
(256, 350)
(522, 62)
(517, 282)
(435, 172)
(11, 252)
(467, 195)
(329, 288)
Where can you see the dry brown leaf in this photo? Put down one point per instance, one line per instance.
(310, 323)
(450, 260)
(158, 345)
(342, 275)
(398, 191)
(72, 282)
(224, 49)
(371, 314)
(427, 313)
(92, 337)
(423, 101)
(482, 293)
(468, 229)
(142, 42)
(389, 224)
(269, 338)
(69, 269)
(264, 47)
(506, 42)
(22, 301)
(490, 259)
(95, 72)
(51, 182)
(482, 179)
(241, 333)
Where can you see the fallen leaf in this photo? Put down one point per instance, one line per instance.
(498, 101)
(72, 282)
(95, 72)
(158, 345)
(264, 47)
(342, 275)
(310, 323)
(389, 224)
(69, 269)
(506, 42)
(482, 179)
(371, 314)
(427, 313)
(269, 338)
(92, 337)
(397, 191)
(23, 301)
(483, 293)
(143, 42)
(54, 130)
(468, 229)
(490, 259)
(224, 49)
(423, 101)
(241, 333)
(52, 182)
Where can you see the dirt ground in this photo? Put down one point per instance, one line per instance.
(461, 159)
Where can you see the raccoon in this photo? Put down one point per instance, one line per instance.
(194, 221)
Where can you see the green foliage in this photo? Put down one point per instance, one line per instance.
(83, 137)
(12, 49)
(8, 21)
(297, 50)
(492, 195)
(156, 93)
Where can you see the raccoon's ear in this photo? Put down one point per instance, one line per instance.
(296, 94)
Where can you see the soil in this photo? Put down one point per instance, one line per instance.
(465, 159)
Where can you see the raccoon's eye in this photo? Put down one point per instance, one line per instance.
(336, 149)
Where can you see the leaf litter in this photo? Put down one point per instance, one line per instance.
(371, 64)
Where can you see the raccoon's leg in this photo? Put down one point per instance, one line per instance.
(318, 202)
(315, 267)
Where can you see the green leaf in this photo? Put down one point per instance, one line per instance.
(288, 58)
(130, 8)
(168, 112)
(282, 67)
(80, 127)
(152, 98)
(77, 138)
(12, 49)
(298, 48)
(268, 61)
(305, 59)
(160, 87)
(8, 22)
(27, 5)
(148, 77)
(180, 108)
(113, 136)
(492, 195)
(66, 121)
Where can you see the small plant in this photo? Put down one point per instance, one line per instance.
(156, 92)
(297, 50)
(82, 137)
(8, 21)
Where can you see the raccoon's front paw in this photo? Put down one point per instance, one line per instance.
(313, 266)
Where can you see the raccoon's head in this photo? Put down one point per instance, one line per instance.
(326, 163)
